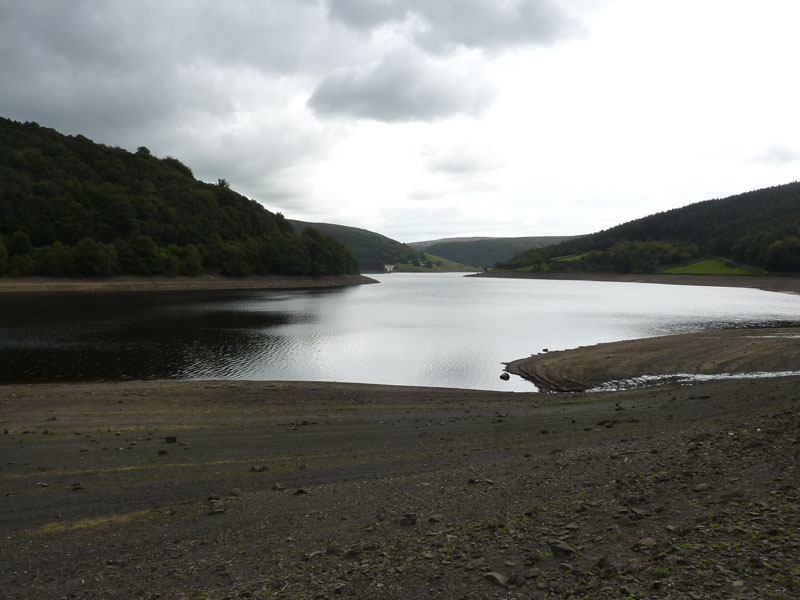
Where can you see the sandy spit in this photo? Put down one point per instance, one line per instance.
(707, 353)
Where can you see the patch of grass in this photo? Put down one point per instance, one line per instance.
(713, 266)
(93, 522)
(568, 257)
(437, 265)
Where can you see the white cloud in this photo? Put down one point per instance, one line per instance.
(778, 155)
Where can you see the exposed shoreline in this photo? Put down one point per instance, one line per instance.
(768, 283)
(221, 489)
(38, 285)
(752, 350)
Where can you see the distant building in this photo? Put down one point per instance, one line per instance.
(388, 268)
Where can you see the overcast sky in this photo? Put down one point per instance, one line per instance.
(422, 119)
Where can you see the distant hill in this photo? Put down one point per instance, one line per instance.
(70, 207)
(758, 229)
(372, 250)
(484, 251)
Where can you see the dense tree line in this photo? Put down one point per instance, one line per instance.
(759, 228)
(70, 207)
(372, 250)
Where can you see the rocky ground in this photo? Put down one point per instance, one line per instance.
(300, 490)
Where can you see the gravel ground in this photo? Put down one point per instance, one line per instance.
(301, 490)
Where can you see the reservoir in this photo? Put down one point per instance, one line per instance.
(412, 329)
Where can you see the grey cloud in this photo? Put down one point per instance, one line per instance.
(178, 77)
(403, 86)
(102, 68)
(419, 195)
(778, 154)
(441, 25)
(462, 161)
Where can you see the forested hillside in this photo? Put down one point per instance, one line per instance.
(485, 252)
(372, 250)
(759, 228)
(71, 207)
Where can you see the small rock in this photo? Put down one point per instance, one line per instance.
(170, 439)
(435, 518)
(649, 542)
(162, 452)
(533, 573)
(702, 487)
(408, 519)
(505, 376)
(84, 449)
(561, 548)
(258, 469)
(496, 578)
(300, 491)
(278, 487)
(604, 563)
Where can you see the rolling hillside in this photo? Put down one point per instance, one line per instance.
(484, 251)
(70, 207)
(758, 229)
(372, 250)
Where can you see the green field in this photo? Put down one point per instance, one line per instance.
(437, 265)
(713, 266)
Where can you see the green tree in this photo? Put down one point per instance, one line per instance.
(21, 265)
(55, 260)
(191, 261)
(3, 257)
(19, 243)
(93, 258)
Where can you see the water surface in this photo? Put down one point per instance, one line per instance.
(412, 329)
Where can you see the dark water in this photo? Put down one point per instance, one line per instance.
(440, 330)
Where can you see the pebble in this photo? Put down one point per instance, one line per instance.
(560, 547)
(496, 578)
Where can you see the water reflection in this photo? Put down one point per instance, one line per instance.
(441, 330)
